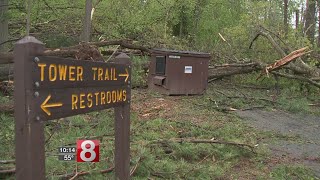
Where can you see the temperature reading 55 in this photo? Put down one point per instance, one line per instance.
(66, 157)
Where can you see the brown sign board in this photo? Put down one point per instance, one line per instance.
(55, 72)
(57, 103)
(66, 87)
(51, 87)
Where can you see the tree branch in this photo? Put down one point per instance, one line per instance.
(10, 40)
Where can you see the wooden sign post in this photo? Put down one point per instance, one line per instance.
(48, 88)
(122, 130)
(29, 133)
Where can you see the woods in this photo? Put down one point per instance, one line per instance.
(256, 118)
(3, 24)
(215, 26)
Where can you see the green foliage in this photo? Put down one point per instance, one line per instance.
(185, 25)
(7, 128)
(294, 105)
(7, 141)
(56, 41)
(291, 95)
(176, 24)
(139, 74)
(170, 160)
(181, 160)
(152, 149)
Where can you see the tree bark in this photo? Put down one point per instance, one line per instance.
(285, 17)
(318, 7)
(297, 19)
(226, 70)
(310, 20)
(86, 36)
(197, 13)
(3, 24)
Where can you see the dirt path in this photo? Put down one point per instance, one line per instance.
(304, 149)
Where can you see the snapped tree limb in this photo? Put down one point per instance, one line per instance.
(284, 61)
(299, 67)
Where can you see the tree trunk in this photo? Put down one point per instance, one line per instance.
(86, 34)
(297, 19)
(318, 6)
(285, 17)
(28, 7)
(196, 14)
(3, 24)
(310, 20)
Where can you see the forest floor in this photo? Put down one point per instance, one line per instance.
(281, 128)
(293, 138)
(291, 115)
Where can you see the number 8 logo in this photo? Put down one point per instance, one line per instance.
(90, 150)
(85, 147)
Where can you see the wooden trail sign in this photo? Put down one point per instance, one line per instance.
(54, 72)
(50, 87)
(65, 87)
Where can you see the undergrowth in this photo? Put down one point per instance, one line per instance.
(154, 153)
(291, 95)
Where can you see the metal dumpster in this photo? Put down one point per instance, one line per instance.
(178, 72)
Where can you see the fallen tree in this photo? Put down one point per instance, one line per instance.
(220, 71)
(292, 61)
(225, 70)
(82, 51)
(300, 70)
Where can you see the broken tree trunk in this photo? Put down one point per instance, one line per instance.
(217, 72)
(225, 70)
(298, 67)
(284, 61)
